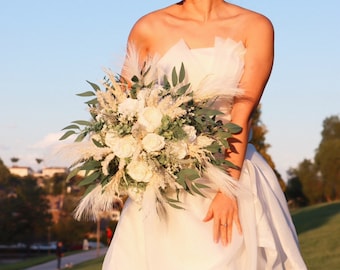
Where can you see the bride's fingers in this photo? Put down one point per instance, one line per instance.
(217, 232)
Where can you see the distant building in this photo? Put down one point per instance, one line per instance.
(51, 171)
(21, 171)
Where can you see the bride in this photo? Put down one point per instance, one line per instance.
(247, 230)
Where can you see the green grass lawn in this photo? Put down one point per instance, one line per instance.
(319, 234)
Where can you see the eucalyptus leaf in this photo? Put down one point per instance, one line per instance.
(196, 190)
(181, 74)
(82, 122)
(182, 90)
(86, 94)
(233, 128)
(72, 173)
(71, 127)
(89, 189)
(94, 86)
(174, 77)
(92, 101)
(81, 136)
(188, 174)
(90, 165)
(67, 134)
(90, 179)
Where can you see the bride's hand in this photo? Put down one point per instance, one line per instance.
(224, 212)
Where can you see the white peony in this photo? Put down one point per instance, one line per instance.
(204, 141)
(139, 171)
(129, 107)
(153, 142)
(150, 118)
(179, 149)
(191, 132)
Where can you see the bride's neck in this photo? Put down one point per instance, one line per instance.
(202, 10)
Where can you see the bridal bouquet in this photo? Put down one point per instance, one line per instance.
(146, 136)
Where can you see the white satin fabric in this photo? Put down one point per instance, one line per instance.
(182, 241)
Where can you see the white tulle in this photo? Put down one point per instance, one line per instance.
(182, 241)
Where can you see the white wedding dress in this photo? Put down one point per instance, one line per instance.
(182, 241)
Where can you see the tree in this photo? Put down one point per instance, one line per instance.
(258, 139)
(327, 158)
(24, 213)
(14, 160)
(312, 185)
(294, 193)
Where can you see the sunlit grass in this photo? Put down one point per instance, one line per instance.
(319, 233)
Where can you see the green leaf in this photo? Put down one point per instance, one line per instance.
(181, 74)
(71, 127)
(89, 179)
(175, 206)
(80, 137)
(86, 94)
(233, 128)
(214, 147)
(174, 77)
(208, 112)
(90, 165)
(92, 101)
(89, 189)
(67, 134)
(196, 190)
(97, 143)
(188, 174)
(72, 173)
(200, 185)
(82, 122)
(94, 86)
(182, 90)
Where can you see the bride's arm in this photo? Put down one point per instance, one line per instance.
(258, 64)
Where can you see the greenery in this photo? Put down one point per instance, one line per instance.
(27, 263)
(95, 264)
(319, 178)
(319, 234)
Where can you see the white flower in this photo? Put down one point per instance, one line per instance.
(110, 139)
(179, 149)
(150, 118)
(129, 107)
(191, 132)
(135, 194)
(122, 147)
(139, 171)
(204, 141)
(153, 142)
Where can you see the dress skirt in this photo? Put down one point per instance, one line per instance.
(182, 241)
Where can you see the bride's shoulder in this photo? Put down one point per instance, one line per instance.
(149, 27)
(251, 20)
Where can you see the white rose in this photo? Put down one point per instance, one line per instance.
(139, 171)
(204, 141)
(179, 149)
(110, 139)
(191, 132)
(121, 147)
(128, 107)
(153, 142)
(150, 118)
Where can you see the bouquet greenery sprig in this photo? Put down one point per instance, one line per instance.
(148, 135)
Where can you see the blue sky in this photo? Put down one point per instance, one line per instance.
(48, 49)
